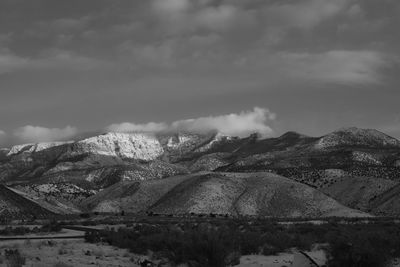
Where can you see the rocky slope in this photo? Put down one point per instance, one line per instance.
(65, 174)
(357, 152)
(357, 137)
(15, 205)
(360, 193)
(93, 160)
(260, 194)
(146, 156)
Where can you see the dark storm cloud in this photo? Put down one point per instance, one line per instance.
(66, 62)
(175, 34)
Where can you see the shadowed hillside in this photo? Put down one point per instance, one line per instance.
(261, 194)
(13, 205)
(92, 172)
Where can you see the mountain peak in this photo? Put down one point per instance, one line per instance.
(142, 146)
(291, 135)
(34, 147)
(353, 136)
(355, 130)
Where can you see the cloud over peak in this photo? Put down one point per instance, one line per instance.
(242, 124)
(3, 136)
(34, 134)
(133, 127)
(235, 124)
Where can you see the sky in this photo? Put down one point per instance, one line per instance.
(236, 66)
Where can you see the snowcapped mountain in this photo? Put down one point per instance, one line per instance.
(137, 146)
(78, 169)
(135, 152)
(32, 148)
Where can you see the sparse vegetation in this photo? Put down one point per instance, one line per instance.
(50, 227)
(222, 243)
(62, 264)
(13, 258)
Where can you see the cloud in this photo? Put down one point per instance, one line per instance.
(41, 134)
(48, 60)
(159, 55)
(241, 124)
(66, 24)
(172, 7)
(217, 18)
(10, 62)
(218, 35)
(235, 124)
(132, 127)
(303, 14)
(183, 16)
(65, 59)
(337, 66)
(3, 137)
(334, 66)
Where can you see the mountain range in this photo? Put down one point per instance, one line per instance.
(349, 172)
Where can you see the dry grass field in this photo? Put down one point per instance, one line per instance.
(65, 253)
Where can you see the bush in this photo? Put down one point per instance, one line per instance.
(92, 237)
(21, 230)
(250, 242)
(221, 243)
(202, 246)
(14, 258)
(359, 250)
(62, 264)
(53, 226)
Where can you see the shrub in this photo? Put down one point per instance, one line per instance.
(62, 251)
(354, 251)
(53, 226)
(219, 243)
(202, 246)
(61, 264)
(14, 258)
(92, 237)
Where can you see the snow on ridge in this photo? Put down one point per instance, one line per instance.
(217, 138)
(178, 140)
(31, 148)
(142, 146)
(188, 141)
(366, 157)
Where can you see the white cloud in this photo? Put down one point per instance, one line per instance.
(241, 124)
(132, 127)
(235, 124)
(3, 136)
(31, 133)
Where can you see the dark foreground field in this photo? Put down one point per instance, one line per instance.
(166, 241)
